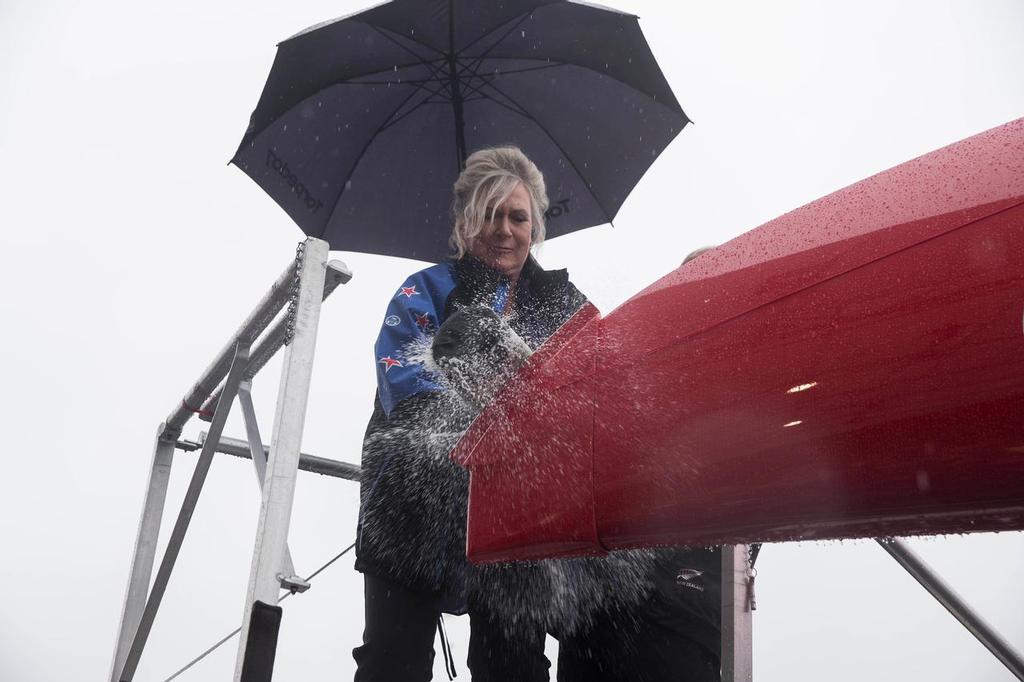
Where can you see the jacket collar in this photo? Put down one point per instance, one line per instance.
(535, 278)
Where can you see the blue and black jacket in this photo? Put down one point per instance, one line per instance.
(413, 499)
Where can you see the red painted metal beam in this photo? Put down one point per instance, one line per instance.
(854, 368)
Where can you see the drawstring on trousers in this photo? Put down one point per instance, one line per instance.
(446, 650)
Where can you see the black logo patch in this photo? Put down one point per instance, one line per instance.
(688, 577)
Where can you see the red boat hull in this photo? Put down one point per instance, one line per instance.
(854, 368)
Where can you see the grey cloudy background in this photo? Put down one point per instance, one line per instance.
(129, 252)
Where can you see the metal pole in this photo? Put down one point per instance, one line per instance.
(163, 575)
(737, 618)
(455, 91)
(145, 547)
(282, 468)
(955, 604)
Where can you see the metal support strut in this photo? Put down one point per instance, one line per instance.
(188, 506)
(955, 604)
(265, 579)
(311, 463)
(737, 614)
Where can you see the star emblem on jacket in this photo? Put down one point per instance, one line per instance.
(409, 292)
(389, 362)
(424, 322)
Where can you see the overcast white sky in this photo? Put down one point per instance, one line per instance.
(129, 252)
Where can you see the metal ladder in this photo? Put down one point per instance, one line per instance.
(299, 292)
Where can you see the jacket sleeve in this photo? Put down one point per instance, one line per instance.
(403, 342)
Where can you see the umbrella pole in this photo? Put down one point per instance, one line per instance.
(456, 91)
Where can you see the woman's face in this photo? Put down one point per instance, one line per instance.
(504, 240)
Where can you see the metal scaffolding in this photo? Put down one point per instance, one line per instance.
(298, 292)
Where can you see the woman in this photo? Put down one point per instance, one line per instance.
(411, 546)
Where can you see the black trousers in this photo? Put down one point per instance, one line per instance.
(622, 648)
(398, 640)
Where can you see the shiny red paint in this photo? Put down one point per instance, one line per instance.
(854, 368)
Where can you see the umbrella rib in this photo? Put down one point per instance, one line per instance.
(444, 99)
(427, 63)
(402, 81)
(430, 65)
(347, 81)
(350, 79)
(362, 153)
(435, 69)
(547, 64)
(510, 104)
(518, 22)
(477, 89)
(418, 83)
(484, 78)
(436, 92)
(395, 120)
(526, 69)
(632, 87)
(526, 114)
(475, 74)
(484, 81)
(382, 29)
(474, 63)
(422, 85)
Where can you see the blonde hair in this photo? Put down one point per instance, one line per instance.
(488, 179)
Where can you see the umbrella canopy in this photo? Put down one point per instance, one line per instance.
(365, 121)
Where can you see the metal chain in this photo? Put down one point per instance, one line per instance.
(293, 293)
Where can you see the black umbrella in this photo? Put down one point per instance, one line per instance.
(365, 121)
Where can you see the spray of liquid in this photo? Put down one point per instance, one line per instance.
(471, 359)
